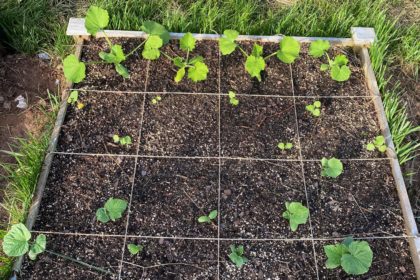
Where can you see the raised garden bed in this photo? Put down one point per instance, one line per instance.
(192, 152)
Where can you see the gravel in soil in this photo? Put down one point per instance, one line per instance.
(162, 71)
(171, 194)
(104, 76)
(100, 252)
(344, 128)
(362, 201)
(270, 260)
(275, 79)
(256, 126)
(180, 125)
(90, 129)
(253, 197)
(391, 260)
(171, 259)
(79, 185)
(309, 80)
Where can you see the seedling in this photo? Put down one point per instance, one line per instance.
(378, 143)
(156, 100)
(232, 99)
(354, 257)
(285, 146)
(74, 99)
(296, 214)
(338, 68)
(209, 218)
(17, 243)
(314, 108)
(123, 141)
(236, 255)
(134, 249)
(331, 167)
(288, 51)
(112, 210)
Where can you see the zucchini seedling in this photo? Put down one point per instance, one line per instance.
(339, 71)
(296, 214)
(134, 249)
(112, 210)
(378, 143)
(232, 98)
(74, 100)
(288, 51)
(354, 257)
(237, 255)
(123, 141)
(314, 108)
(331, 167)
(208, 218)
(285, 146)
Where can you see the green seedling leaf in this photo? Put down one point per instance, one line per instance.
(96, 19)
(227, 44)
(378, 143)
(317, 104)
(208, 219)
(179, 62)
(296, 213)
(331, 167)
(370, 147)
(257, 50)
(116, 55)
(213, 214)
(379, 140)
(314, 108)
(334, 254)
(154, 28)
(187, 42)
(134, 249)
(324, 67)
(16, 241)
(285, 146)
(122, 70)
(74, 70)
(340, 60)
(151, 47)
(340, 73)
(254, 65)
(318, 48)
(112, 210)
(102, 215)
(180, 74)
(73, 97)
(38, 246)
(236, 255)
(198, 58)
(232, 99)
(289, 146)
(198, 72)
(125, 141)
(289, 50)
(116, 138)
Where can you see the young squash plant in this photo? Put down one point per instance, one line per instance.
(331, 167)
(339, 71)
(285, 146)
(354, 257)
(288, 51)
(237, 255)
(134, 249)
(378, 143)
(296, 214)
(232, 98)
(123, 141)
(208, 218)
(314, 108)
(112, 210)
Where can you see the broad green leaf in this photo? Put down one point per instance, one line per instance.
(213, 214)
(126, 140)
(382, 149)
(73, 97)
(289, 50)
(359, 258)
(240, 250)
(38, 247)
(74, 70)
(340, 60)
(231, 34)
(232, 94)
(15, 242)
(151, 47)
(198, 72)
(379, 140)
(187, 42)
(310, 108)
(116, 138)
(180, 74)
(331, 167)
(122, 70)
(134, 249)
(317, 104)
(296, 213)
(179, 62)
(318, 48)
(96, 19)
(289, 146)
(154, 28)
(340, 73)
(257, 50)
(204, 219)
(316, 112)
(234, 101)
(227, 46)
(370, 147)
(254, 66)
(102, 215)
(236, 255)
(151, 54)
(324, 67)
(116, 55)
(281, 146)
(115, 207)
(334, 254)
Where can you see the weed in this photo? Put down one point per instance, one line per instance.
(296, 214)
(314, 108)
(331, 167)
(237, 255)
(112, 210)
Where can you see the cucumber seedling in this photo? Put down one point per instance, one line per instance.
(74, 100)
(331, 167)
(237, 255)
(155, 100)
(378, 143)
(288, 51)
(232, 98)
(123, 141)
(112, 210)
(285, 146)
(296, 214)
(134, 249)
(354, 257)
(314, 108)
(208, 218)
(339, 71)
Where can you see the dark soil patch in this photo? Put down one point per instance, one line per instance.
(344, 128)
(104, 76)
(362, 201)
(77, 187)
(256, 126)
(391, 260)
(180, 125)
(101, 252)
(172, 259)
(270, 260)
(253, 197)
(309, 80)
(162, 72)
(276, 78)
(90, 129)
(170, 194)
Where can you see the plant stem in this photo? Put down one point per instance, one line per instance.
(268, 56)
(107, 39)
(167, 56)
(188, 54)
(243, 52)
(135, 49)
(95, 62)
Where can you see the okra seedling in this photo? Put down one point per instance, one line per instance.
(331, 167)
(354, 257)
(288, 51)
(209, 218)
(112, 210)
(156, 99)
(338, 68)
(232, 99)
(296, 214)
(74, 99)
(314, 108)
(378, 143)
(237, 255)
(17, 242)
(285, 146)
(134, 249)
(123, 141)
